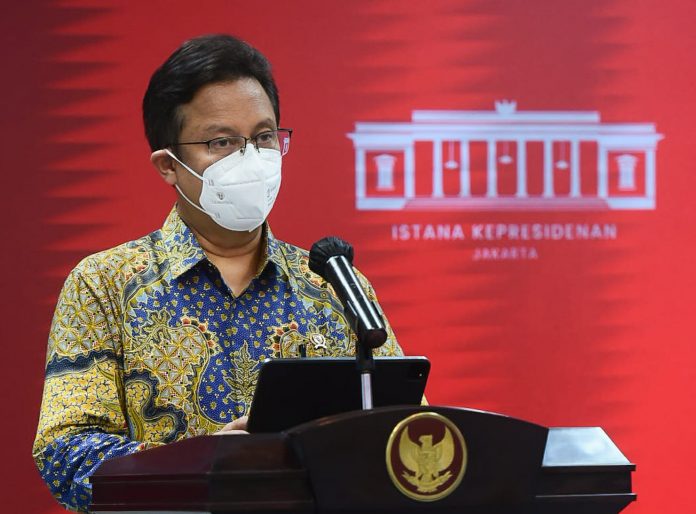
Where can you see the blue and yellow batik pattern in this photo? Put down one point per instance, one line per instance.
(149, 346)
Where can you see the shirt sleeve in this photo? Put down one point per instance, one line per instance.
(82, 420)
(391, 347)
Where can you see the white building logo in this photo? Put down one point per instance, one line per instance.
(579, 162)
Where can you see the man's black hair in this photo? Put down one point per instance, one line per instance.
(197, 62)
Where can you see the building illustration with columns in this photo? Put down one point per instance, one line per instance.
(621, 168)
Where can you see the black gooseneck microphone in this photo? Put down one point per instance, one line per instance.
(332, 259)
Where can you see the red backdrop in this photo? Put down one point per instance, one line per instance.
(572, 331)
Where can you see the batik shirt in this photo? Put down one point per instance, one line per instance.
(148, 346)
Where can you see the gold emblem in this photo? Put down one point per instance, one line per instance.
(426, 456)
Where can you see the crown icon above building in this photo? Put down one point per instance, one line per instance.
(505, 107)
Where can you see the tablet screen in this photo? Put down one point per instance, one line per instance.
(293, 391)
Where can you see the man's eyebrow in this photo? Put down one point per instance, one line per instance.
(268, 123)
(210, 129)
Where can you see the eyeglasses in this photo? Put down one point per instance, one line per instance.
(223, 146)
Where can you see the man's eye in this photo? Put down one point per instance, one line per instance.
(265, 138)
(220, 143)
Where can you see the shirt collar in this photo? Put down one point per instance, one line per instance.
(274, 253)
(183, 251)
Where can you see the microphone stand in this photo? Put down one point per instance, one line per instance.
(366, 365)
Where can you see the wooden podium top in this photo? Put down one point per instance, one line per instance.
(393, 459)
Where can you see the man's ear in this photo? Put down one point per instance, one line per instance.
(165, 166)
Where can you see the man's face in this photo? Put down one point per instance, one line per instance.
(236, 108)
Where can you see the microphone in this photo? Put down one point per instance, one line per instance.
(332, 259)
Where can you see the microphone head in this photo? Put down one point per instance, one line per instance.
(326, 248)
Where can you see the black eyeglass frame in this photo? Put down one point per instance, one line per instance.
(253, 139)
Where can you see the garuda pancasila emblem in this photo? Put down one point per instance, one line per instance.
(426, 456)
(427, 461)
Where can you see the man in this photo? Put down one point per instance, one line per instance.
(161, 338)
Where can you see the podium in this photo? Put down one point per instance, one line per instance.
(386, 460)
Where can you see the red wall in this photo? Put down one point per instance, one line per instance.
(591, 332)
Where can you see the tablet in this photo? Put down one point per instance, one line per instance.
(294, 391)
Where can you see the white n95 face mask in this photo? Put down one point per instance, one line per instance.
(238, 190)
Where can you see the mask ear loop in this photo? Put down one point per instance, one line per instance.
(170, 154)
(192, 173)
(189, 201)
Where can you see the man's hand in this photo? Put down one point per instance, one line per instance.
(238, 426)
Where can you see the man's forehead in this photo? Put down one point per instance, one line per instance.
(236, 93)
(232, 107)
